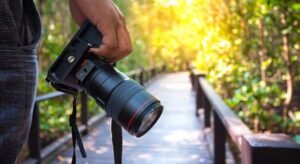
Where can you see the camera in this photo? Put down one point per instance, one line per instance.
(123, 99)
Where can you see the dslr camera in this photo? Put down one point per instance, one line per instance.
(123, 99)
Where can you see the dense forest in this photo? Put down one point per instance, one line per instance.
(249, 49)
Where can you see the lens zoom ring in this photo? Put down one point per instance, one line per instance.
(120, 96)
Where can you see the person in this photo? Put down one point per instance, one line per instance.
(20, 30)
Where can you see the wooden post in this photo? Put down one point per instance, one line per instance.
(146, 75)
(153, 72)
(187, 66)
(207, 110)
(134, 76)
(201, 100)
(84, 111)
(193, 80)
(219, 140)
(198, 95)
(164, 68)
(142, 77)
(34, 142)
(269, 148)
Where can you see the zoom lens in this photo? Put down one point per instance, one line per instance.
(149, 119)
(126, 101)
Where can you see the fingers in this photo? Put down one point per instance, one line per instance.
(124, 43)
(116, 44)
(109, 44)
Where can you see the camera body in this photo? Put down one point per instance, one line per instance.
(123, 99)
(61, 74)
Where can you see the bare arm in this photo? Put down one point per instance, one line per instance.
(109, 21)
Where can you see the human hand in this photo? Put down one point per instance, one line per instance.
(104, 14)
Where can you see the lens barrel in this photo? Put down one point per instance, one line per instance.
(123, 99)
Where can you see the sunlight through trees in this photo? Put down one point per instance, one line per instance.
(249, 50)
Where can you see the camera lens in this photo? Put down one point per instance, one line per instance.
(149, 120)
(123, 99)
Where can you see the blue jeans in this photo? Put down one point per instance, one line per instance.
(18, 79)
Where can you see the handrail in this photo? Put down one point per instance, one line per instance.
(235, 127)
(254, 148)
(37, 154)
(48, 96)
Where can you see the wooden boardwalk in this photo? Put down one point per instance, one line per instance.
(177, 138)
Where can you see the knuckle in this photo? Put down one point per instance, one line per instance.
(112, 46)
(126, 50)
(129, 50)
(123, 20)
(120, 23)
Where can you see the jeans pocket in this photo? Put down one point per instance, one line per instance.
(31, 26)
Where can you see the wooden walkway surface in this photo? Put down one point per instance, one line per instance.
(177, 138)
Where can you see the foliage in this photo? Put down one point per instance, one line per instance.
(54, 117)
(167, 31)
(249, 50)
(253, 60)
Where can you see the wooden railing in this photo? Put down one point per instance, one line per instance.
(254, 148)
(38, 154)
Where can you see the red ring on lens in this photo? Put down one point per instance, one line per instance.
(132, 117)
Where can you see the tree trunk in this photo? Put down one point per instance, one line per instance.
(262, 52)
(287, 60)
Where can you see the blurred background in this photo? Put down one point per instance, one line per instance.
(249, 49)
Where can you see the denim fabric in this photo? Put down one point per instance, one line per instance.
(11, 15)
(18, 80)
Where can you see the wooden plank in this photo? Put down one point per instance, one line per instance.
(234, 126)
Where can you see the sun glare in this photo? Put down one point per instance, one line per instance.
(183, 30)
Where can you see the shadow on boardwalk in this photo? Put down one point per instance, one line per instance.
(176, 138)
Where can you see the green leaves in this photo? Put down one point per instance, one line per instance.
(297, 116)
(286, 30)
(296, 6)
(250, 72)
